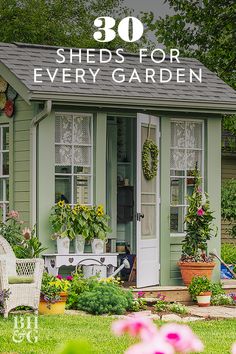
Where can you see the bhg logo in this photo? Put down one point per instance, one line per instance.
(25, 329)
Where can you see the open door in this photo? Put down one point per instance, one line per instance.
(147, 208)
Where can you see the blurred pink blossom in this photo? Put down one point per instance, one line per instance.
(181, 338)
(156, 346)
(135, 326)
(13, 214)
(234, 348)
(59, 276)
(69, 277)
(200, 212)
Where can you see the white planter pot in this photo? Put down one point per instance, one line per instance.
(63, 245)
(98, 246)
(204, 300)
(79, 244)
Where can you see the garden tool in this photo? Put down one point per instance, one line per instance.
(214, 254)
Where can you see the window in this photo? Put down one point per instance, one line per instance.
(186, 152)
(74, 158)
(4, 171)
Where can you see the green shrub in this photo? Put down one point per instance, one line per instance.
(228, 204)
(221, 299)
(217, 289)
(138, 304)
(105, 298)
(228, 253)
(177, 308)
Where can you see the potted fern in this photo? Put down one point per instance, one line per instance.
(199, 230)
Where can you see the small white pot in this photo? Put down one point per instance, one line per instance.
(63, 245)
(79, 244)
(204, 300)
(98, 246)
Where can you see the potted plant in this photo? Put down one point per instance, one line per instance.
(200, 290)
(54, 293)
(194, 260)
(80, 217)
(98, 228)
(61, 224)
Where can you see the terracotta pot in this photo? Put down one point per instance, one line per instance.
(192, 269)
(54, 309)
(204, 299)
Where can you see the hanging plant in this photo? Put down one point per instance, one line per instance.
(150, 152)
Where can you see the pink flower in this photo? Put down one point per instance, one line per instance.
(26, 233)
(181, 338)
(70, 278)
(156, 346)
(141, 294)
(200, 211)
(234, 348)
(135, 326)
(13, 214)
(59, 276)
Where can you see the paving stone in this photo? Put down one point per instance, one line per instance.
(213, 311)
(171, 317)
(192, 319)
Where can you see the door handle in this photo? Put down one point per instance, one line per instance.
(139, 216)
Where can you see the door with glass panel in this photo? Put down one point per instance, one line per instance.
(147, 208)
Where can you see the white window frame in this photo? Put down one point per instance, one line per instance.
(72, 174)
(4, 203)
(202, 149)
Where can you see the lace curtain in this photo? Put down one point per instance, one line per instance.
(186, 145)
(73, 140)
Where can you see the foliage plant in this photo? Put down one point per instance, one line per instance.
(199, 285)
(228, 204)
(139, 303)
(60, 220)
(198, 223)
(228, 253)
(217, 289)
(23, 240)
(161, 305)
(98, 296)
(178, 308)
(52, 287)
(221, 300)
(98, 223)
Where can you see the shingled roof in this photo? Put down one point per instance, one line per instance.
(19, 60)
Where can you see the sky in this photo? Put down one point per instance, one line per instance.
(157, 6)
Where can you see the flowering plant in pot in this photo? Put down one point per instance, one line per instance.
(80, 217)
(199, 229)
(60, 220)
(54, 292)
(98, 228)
(200, 289)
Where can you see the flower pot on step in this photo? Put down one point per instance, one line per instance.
(191, 269)
(63, 245)
(204, 299)
(57, 308)
(79, 244)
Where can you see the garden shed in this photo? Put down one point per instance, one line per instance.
(83, 140)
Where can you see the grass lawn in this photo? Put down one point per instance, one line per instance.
(218, 336)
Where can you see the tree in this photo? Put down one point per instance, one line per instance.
(204, 29)
(58, 22)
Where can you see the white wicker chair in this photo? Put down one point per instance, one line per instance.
(21, 294)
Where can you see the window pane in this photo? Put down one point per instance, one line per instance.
(5, 143)
(63, 155)
(82, 156)
(194, 135)
(194, 159)
(82, 169)
(177, 191)
(7, 189)
(63, 189)
(177, 173)
(82, 190)
(1, 190)
(178, 134)
(63, 129)
(5, 160)
(63, 169)
(177, 219)
(148, 224)
(82, 130)
(177, 159)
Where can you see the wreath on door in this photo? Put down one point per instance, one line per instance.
(149, 157)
